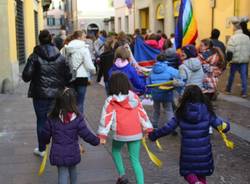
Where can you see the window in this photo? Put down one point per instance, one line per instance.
(126, 24)
(60, 5)
(62, 21)
(119, 24)
(51, 21)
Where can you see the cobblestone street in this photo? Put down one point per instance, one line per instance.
(18, 165)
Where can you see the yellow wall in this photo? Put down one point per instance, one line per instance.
(223, 11)
(29, 26)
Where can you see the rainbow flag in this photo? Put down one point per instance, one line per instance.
(186, 30)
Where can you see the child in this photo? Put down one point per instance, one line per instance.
(64, 125)
(122, 64)
(191, 70)
(124, 114)
(194, 116)
(161, 72)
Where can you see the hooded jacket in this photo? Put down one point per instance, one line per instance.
(65, 147)
(196, 149)
(239, 45)
(171, 57)
(160, 73)
(78, 52)
(125, 115)
(47, 70)
(191, 72)
(126, 68)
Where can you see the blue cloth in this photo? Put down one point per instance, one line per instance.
(65, 149)
(41, 107)
(196, 149)
(143, 52)
(136, 80)
(161, 72)
(243, 70)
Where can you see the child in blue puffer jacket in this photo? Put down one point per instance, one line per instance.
(194, 116)
(161, 73)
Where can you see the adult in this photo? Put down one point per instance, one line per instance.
(47, 72)
(79, 57)
(215, 34)
(213, 63)
(90, 42)
(99, 43)
(244, 28)
(59, 39)
(239, 46)
(106, 62)
(122, 64)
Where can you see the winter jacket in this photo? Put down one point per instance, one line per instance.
(239, 45)
(196, 149)
(47, 70)
(65, 148)
(191, 72)
(91, 48)
(125, 67)
(125, 116)
(161, 72)
(106, 62)
(211, 66)
(77, 52)
(171, 57)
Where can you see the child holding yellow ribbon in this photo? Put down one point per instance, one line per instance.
(64, 125)
(194, 116)
(124, 114)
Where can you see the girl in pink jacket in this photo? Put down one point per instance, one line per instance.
(124, 114)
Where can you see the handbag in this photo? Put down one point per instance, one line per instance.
(74, 72)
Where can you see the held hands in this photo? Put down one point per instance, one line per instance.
(103, 141)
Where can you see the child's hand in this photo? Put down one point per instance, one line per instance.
(103, 141)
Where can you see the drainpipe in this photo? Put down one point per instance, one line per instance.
(236, 7)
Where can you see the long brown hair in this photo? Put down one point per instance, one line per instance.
(65, 102)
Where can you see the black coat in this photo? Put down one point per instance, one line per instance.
(106, 62)
(47, 70)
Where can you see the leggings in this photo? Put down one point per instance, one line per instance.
(192, 179)
(64, 172)
(134, 156)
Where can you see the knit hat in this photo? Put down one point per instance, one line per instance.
(190, 51)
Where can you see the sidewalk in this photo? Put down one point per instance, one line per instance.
(18, 165)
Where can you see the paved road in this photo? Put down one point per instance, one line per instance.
(19, 166)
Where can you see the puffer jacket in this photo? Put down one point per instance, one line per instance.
(196, 149)
(191, 72)
(171, 57)
(47, 70)
(125, 116)
(65, 147)
(239, 45)
(125, 67)
(78, 52)
(161, 72)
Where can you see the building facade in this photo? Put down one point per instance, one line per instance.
(154, 15)
(54, 18)
(20, 23)
(95, 15)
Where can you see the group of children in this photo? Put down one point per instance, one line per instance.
(123, 113)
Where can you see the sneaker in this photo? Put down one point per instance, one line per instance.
(122, 180)
(244, 96)
(210, 130)
(39, 153)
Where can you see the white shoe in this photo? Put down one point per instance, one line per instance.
(210, 130)
(39, 153)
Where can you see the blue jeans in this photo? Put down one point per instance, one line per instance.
(243, 70)
(64, 172)
(81, 92)
(41, 107)
(168, 108)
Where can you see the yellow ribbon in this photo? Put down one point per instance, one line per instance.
(166, 87)
(159, 145)
(168, 83)
(151, 155)
(229, 144)
(43, 164)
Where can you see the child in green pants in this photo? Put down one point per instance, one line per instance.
(125, 115)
